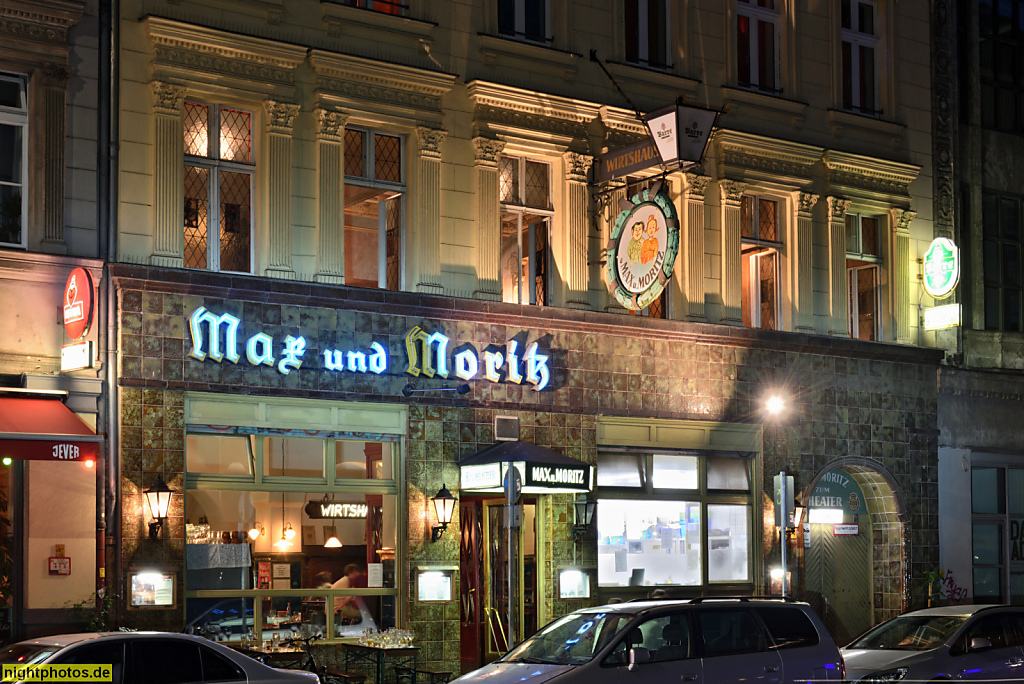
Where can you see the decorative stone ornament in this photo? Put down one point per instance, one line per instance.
(642, 249)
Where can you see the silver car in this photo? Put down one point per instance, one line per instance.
(967, 643)
(718, 641)
(151, 658)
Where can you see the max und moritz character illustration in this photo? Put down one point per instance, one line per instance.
(649, 250)
(636, 243)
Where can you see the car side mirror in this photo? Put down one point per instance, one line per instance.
(980, 644)
(637, 655)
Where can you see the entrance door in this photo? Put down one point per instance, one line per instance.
(471, 613)
(838, 582)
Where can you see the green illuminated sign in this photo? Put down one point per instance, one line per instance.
(941, 268)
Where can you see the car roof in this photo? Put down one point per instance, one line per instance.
(640, 605)
(969, 609)
(63, 640)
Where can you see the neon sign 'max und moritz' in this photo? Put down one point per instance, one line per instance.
(215, 338)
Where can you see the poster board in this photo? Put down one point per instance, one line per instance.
(151, 589)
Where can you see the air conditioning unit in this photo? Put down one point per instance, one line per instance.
(506, 428)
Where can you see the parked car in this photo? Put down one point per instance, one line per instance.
(975, 643)
(701, 640)
(151, 658)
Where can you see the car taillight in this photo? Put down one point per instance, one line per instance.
(842, 669)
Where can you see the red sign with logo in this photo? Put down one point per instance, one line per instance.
(78, 303)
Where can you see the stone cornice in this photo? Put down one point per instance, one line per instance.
(745, 156)
(39, 21)
(621, 127)
(188, 50)
(362, 83)
(514, 111)
(849, 173)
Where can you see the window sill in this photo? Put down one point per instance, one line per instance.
(497, 50)
(656, 79)
(843, 122)
(355, 21)
(754, 104)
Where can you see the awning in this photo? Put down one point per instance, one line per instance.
(542, 470)
(36, 429)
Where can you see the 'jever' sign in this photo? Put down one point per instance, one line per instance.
(216, 338)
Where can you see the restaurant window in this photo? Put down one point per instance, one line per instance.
(524, 187)
(647, 33)
(760, 240)
(374, 196)
(295, 493)
(863, 257)
(860, 54)
(1003, 266)
(383, 6)
(525, 20)
(674, 519)
(13, 160)
(757, 45)
(218, 188)
(997, 507)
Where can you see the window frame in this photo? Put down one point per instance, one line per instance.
(755, 14)
(519, 29)
(996, 85)
(401, 188)
(702, 495)
(993, 237)
(854, 306)
(214, 166)
(643, 37)
(520, 209)
(754, 250)
(858, 40)
(19, 117)
(371, 5)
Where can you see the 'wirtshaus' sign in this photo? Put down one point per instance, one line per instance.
(215, 338)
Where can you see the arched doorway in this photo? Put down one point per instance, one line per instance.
(854, 551)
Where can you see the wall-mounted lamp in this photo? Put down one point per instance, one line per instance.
(289, 531)
(585, 507)
(461, 389)
(159, 498)
(256, 531)
(444, 509)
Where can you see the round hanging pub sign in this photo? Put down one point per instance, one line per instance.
(642, 250)
(941, 268)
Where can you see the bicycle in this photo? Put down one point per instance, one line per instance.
(311, 665)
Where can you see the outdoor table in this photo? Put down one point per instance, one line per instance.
(271, 657)
(382, 659)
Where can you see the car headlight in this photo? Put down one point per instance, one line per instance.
(893, 675)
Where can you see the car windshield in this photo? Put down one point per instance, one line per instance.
(26, 654)
(571, 640)
(911, 632)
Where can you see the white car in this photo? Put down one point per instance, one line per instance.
(151, 658)
(962, 643)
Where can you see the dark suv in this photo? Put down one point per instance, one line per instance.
(700, 640)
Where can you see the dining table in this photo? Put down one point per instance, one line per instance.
(380, 660)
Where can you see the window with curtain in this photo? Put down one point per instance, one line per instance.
(757, 45)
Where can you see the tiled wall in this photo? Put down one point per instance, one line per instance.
(875, 403)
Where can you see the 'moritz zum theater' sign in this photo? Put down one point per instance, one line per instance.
(215, 338)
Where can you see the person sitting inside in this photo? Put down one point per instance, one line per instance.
(348, 610)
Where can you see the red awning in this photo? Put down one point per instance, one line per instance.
(44, 430)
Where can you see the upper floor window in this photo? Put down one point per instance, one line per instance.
(374, 193)
(1003, 268)
(757, 38)
(524, 19)
(647, 33)
(1001, 47)
(218, 188)
(761, 240)
(862, 265)
(860, 55)
(524, 187)
(13, 160)
(382, 6)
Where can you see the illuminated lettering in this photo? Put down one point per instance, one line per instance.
(214, 323)
(259, 349)
(334, 360)
(65, 452)
(536, 368)
(558, 475)
(513, 362)
(466, 364)
(419, 345)
(291, 355)
(343, 510)
(378, 359)
(357, 361)
(492, 362)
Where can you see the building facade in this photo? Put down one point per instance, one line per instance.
(335, 218)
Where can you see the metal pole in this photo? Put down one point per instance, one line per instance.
(782, 530)
(510, 495)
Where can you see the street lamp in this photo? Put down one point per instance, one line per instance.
(159, 498)
(584, 507)
(444, 509)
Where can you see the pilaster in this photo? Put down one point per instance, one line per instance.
(839, 322)
(577, 169)
(330, 137)
(55, 82)
(428, 214)
(732, 261)
(902, 311)
(803, 257)
(610, 208)
(280, 120)
(488, 218)
(168, 175)
(693, 247)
